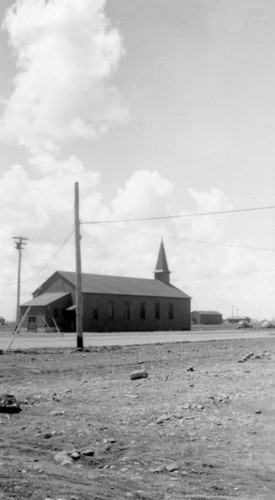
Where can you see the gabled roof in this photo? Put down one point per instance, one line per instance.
(45, 299)
(207, 312)
(238, 318)
(119, 285)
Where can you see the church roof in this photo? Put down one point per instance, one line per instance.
(45, 299)
(120, 285)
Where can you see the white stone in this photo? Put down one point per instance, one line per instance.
(60, 456)
(67, 461)
(55, 413)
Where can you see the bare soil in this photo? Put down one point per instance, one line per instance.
(201, 426)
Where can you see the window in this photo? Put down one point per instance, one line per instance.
(95, 314)
(110, 310)
(127, 310)
(157, 310)
(142, 310)
(171, 311)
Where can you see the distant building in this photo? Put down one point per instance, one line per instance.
(206, 318)
(2, 320)
(110, 303)
(236, 319)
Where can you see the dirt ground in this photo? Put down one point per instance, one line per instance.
(200, 426)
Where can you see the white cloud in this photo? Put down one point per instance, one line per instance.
(66, 54)
(214, 200)
(210, 264)
(145, 192)
(41, 205)
(208, 226)
(41, 209)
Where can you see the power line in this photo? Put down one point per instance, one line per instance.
(51, 259)
(179, 216)
(187, 240)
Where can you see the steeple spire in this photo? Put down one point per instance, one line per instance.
(162, 272)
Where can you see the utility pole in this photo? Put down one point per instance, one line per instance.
(19, 245)
(78, 290)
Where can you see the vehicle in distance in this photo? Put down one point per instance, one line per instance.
(244, 324)
(267, 324)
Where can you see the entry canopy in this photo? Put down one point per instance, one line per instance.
(45, 299)
(72, 308)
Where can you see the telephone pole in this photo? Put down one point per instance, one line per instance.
(78, 290)
(19, 245)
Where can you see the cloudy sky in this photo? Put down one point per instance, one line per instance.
(157, 108)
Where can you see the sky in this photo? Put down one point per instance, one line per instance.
(157, 109)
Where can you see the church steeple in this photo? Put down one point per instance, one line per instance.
(162, 272)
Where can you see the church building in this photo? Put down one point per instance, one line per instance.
(110, 303)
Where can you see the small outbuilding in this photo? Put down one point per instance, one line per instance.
(110, 303)
(2, 320)
(236, 319)
(206, 318)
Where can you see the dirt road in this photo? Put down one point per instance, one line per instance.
(35, 340)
